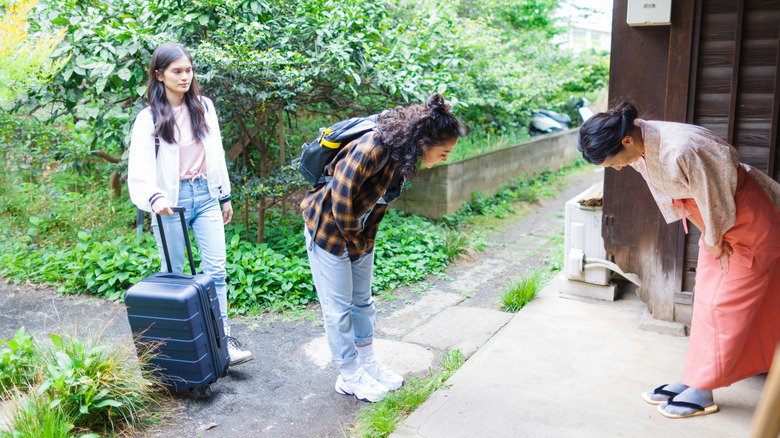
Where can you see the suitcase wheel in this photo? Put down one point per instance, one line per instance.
(200, 392)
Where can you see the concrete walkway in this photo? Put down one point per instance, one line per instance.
(567, 366)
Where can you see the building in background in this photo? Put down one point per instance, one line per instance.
(585, 25)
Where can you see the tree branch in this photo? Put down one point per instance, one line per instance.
(104, 155)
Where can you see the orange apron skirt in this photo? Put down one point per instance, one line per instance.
(736, 316)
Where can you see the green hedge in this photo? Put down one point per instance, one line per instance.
(408, 249)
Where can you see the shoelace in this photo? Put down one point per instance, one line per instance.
(366, 378)
(233, 342)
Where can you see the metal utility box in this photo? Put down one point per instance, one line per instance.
(649, 12)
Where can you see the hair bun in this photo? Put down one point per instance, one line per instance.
(627, 110)
(437, 104)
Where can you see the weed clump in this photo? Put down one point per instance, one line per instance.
(521, 292)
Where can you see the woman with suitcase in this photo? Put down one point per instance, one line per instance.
(341, 222)
(176, 159)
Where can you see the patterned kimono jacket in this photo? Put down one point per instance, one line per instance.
(687, 161)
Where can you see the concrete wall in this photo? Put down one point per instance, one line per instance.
(441, 190)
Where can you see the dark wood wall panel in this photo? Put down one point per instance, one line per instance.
(758, 78)
(719, 6)
(626, 196)
(754, 113)
(715, 65)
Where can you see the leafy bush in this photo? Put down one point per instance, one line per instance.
(17, 361)
(408, 248)
(260, 276)
(73, 386)
(273, 63)
(24, 63)
(99, 388)
(271, 275)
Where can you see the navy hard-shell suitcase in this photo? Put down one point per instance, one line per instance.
(176, 318)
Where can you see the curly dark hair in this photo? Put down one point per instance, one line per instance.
(409, 131)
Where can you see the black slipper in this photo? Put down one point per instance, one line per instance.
(660, 390)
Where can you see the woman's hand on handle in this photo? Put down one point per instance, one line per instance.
(227, 212)
(162, 207)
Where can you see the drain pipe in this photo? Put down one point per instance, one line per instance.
(578, 263)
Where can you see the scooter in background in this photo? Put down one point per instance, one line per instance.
(546, 122)
(583, 110)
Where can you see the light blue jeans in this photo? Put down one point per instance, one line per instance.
(344, 290)
(203, 215)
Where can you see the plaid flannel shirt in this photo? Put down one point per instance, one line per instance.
(355, 190)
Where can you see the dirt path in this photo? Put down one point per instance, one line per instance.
(287, 390)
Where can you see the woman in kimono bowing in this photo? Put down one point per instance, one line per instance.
(692, 173)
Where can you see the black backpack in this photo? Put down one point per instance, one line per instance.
(317, 154)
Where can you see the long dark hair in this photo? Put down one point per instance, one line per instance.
(162, 57)
(408, 131)
(602, 134)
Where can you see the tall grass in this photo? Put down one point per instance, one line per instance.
(32, 416)
(73, 386)
(521, 292)
(456, 243)
(380, 419)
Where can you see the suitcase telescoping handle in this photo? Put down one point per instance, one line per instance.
(179, 210)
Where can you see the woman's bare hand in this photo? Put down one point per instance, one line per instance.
(720, 252)
(227, 212)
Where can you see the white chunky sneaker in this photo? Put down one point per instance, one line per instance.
(384, 375)
(237, 355)
(362, 386)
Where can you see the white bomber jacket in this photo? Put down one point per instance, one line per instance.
(147, 176)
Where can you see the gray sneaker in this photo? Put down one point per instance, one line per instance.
(362, 386)
(237, 355)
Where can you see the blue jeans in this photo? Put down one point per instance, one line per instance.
(344, 291)
(204, 216)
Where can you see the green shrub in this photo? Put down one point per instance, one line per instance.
(17, 361)
(261, 276)
(73, 387)
(271, 275)
(98, 387)
(408, 249)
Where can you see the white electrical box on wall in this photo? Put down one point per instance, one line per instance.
(649, 12)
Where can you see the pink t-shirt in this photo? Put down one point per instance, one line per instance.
(192, 154)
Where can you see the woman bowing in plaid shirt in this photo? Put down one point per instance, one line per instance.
(367, 174)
